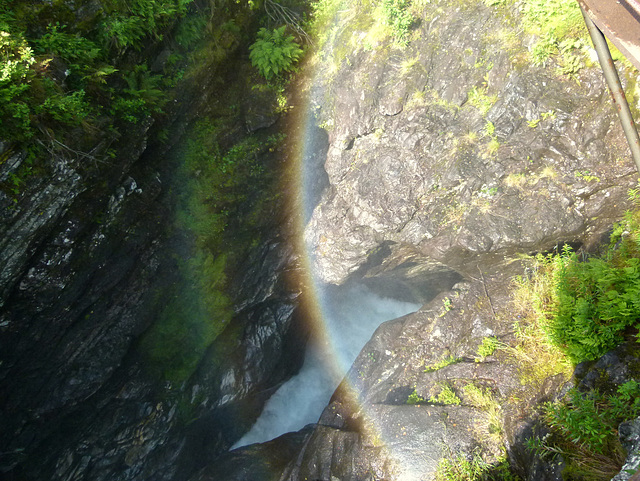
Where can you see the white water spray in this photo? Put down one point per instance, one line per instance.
(351, 315)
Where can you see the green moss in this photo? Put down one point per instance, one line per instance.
(447, 361)
(221, 207)
(487, 347)
(414, 398)
(447, 396)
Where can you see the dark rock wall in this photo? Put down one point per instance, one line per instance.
(87, 252)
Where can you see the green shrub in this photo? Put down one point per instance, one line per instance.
(592, 419)
(69, 109)
(595, 302)
(584, 430)
(274, 52)
(586, 307)
(398, 17)
(128, 21)
(447, 396)
(487, 347)
(16, 59)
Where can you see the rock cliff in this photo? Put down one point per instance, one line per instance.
(435, 195)
(90, 253)
(449, 160)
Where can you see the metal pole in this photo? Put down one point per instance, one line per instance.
(613, 81)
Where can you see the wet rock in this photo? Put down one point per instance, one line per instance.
(630, 438)
(260, 104)
(610, 371)
(264, 461)
(372, 427)
(87, 254)
(425, 177)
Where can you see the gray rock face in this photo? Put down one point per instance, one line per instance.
(371, 423)
(433, 176)
(86, 252)
(630, 439)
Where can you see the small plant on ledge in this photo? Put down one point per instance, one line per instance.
(274, 52)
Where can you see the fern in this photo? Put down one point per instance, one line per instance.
(595, 301)
(274, 52)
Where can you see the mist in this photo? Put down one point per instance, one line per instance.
(351, 315)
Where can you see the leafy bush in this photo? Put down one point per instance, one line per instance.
(127, 22)
(16, 59)
(585, 307)
(584, 431)
(592, 419)
(69, 109)
(274, 52)
(595, 302)
(142, 96)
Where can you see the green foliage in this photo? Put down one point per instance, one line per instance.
(414, 398)
(447, 361)
(587, 176)
(69, 109)
(16, 59)
(560, 30)
(584, 431)
(399, 18)
(79, 52)
(447, 305)
(462, 467)
(142, 96)
(559, 24)
(479, 98)
(491, 426)
(127, 22)
(592, 419)
(446, 396)
(274, 52)
(56, 71)
(490, 129)
(16, 55)
(594, 303)
(190, 31)
(487, 347)
(585, 307)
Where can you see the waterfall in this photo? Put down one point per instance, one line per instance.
(351, 315)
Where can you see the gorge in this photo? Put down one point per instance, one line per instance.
(167, 267)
